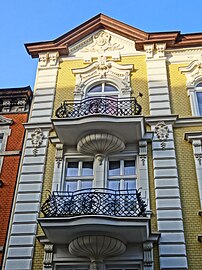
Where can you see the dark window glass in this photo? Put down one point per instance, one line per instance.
(86, 184)
(72, 169)
(129, 167)
(130, 184)
(114, 168)
(87, 168)
(199, 85)
(70, 185)
(96, 89)
(109, 88)
(199, 99)
(114, 184)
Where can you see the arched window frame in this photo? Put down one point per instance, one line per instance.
(98, 81)
(193, 89)
(103, 71)
(193, 73)
(198, 89)
(103, 83)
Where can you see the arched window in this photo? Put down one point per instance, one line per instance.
(103, 89)
(198, 89)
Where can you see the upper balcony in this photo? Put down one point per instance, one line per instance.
(99, 106)
(74, 119)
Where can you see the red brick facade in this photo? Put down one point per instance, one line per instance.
(9, 173)
(14, 106)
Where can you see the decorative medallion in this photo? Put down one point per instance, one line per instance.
(37, 139)
(162, 132)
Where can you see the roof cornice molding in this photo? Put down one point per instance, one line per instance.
(173, 39)
(5, 121)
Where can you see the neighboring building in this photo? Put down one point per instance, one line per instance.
(14, 109)
(90, 128)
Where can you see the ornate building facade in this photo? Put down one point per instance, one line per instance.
(14, 109)
(111, 174)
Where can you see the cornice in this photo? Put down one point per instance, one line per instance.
(190, 136)
(44, 125)
(189, 122)
(153, 120)
(5, 121)
(172, 39)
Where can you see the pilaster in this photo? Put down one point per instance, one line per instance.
(196, 139)
(172, 249)
(23, 226)
(157, 79)
(143, 172)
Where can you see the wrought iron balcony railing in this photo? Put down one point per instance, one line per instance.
(102, 106)
(121, 203)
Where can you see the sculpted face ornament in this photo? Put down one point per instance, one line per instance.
(162, 132)
(37, 139)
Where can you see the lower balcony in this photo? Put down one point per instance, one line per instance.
(121, 214)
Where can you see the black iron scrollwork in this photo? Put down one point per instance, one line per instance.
(104, 106)
(121, 203)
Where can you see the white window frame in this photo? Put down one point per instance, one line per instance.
(126, 155)
(197, 89)
(117, 75)
(123, 265)
(5, 131)
(72, 266)
(103, 93)
(121, 177)
(102, 82)
(79, 178)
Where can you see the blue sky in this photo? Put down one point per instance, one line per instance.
(24, 21)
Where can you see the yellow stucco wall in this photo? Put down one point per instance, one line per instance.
(180, 103)
(47, 187)
(66, 80)
(189, 196)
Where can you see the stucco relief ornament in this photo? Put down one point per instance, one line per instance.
(37, 139)
(162, 132)
(103, 66)
(102, 43)
(43, 59)
(198, 70)
(79, 85)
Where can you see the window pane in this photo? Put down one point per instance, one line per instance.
(72, 169)
(70, 185)
(114, 168)
(86, 184)
(199, 99)
(129, 167)
(114, 184)
(96, 89)
(87, 168)
(110, 88)
(130, 184)
(1, 140)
